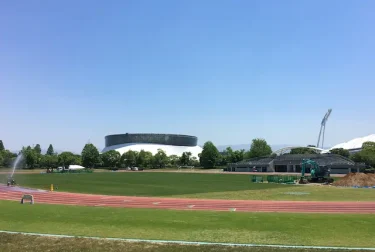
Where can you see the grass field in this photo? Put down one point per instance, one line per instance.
(234, 227)
(188, 185)
(17, 242)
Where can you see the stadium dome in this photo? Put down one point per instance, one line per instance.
(172, 144)
(355, 144)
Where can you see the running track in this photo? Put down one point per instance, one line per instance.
(63, 198)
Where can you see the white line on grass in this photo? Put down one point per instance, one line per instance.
(187, 242)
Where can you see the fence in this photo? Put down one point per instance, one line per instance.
(279, 179)
(74, 171)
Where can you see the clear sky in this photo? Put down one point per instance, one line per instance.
(226, 71)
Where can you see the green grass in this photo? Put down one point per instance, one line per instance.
(18, 242)
(188, 185)
(235, 227)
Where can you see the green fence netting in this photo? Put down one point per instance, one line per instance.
(279, 179)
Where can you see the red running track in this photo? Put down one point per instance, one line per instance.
(64, 198)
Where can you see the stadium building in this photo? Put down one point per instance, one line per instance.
(172, 144)
(291, 163)
(354, 145)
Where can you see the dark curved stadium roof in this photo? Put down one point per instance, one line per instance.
(165, 139)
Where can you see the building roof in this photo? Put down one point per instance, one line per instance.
(321, 159)
(355, 143)
(153, 148)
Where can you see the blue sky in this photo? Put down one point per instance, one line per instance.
(226, 71)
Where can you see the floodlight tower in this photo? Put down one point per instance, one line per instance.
(323, 127)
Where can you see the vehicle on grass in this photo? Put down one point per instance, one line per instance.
(11, 181)
(70, 168)
(317, 174)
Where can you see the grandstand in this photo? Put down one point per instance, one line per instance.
(291, 163)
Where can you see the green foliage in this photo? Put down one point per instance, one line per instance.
(144, 159)
(174, 160)
(7, 158)
(49, 161)
(233, 156)
(50, 150)
(259, 148)
(366, 155)
(38, 149)
(160, 159)
(111, 158)
(303, 150)
(30, 156)
(90, 156)
(210, 155)
(1, 145)
(78, 159)
(129, 158)
(368, 146)
(194, 162)
(66, 158)
(341, 152)
(185, 158)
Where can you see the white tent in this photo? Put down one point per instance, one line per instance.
(76, 167)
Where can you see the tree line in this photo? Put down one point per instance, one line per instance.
(90, 157)
(210, 157)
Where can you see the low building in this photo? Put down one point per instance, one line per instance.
(291, 163)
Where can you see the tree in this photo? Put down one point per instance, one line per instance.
(129, 158)
(209, 156)
(366, 155)
(89, 155)
(49, 161)
(303, 150)
(50, 150)
(185, 158)
(66, 158)
(31, 157)
(174, 160)
(368, 146)
(225, 156)
(160, 159)
(1, 145)
(194, 162)
(144, 158)
(38, 149)
(341, 152)
(111, 158)
(230, 156)
(259, 148)
(7, 158)
(78, 159)
(237, 156)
